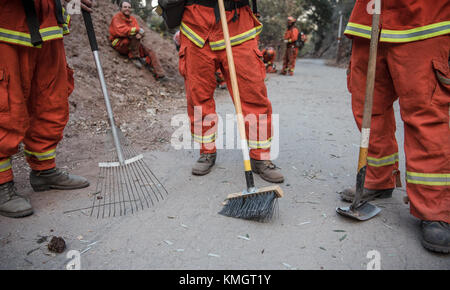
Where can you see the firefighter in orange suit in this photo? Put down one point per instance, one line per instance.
(35, 84)
(126, 35)
(202, 52)
(290, 56)
(269, 55)
(412, 67)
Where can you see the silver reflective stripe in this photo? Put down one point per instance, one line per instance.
(57, 31)
(45, 156)
(382, 161)
(414, 34)
(358, 30)
(191, 36)
(15, 37)
(5, 165)
(250, 34)
(428, 179)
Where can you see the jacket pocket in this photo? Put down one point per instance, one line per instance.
(262, 66)
(4, 94)
(441, 93)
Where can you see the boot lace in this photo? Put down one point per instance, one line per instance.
(205, 158)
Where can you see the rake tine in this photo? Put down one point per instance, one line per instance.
(138, 166)
(136, 176)
(99, 181)
(146, 169)
(127, 186)
(136, 179)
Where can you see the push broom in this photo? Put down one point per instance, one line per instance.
(252, 203)
(125, 183)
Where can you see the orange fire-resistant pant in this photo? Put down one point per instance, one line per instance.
(290, 57)
(133, 47)
(198, 65)
(35, 84)
(408, 72)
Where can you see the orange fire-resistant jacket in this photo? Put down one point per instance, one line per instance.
(122, 26)
(13, 23)
(402, 20)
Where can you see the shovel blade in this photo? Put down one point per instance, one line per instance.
(363, 212)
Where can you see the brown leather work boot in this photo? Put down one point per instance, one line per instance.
(56, 179)
(267, 170)
(204, 164)
(12, 204)
(368, 194)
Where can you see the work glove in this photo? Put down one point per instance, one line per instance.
(141, 31)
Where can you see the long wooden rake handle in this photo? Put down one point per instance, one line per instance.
(367, 114)
(237, 99)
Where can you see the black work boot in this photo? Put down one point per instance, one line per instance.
(267, 170)
(56, 179)
(368, 194)
(11, 203)
(137, 62)
(436, 236)
(204, 164)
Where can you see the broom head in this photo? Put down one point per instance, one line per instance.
(259, 205)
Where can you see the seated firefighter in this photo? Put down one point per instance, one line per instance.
(126, 35)
(269, 55)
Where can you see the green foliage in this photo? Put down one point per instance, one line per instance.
(316, 18)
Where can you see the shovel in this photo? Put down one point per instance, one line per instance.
(359, 209)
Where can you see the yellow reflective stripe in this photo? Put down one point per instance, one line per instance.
(51, 154)
(5, 165)
(358, 30)
(415, 34)
(65, 26)
(237, 39)
(204, 139)
(115, 41)
(396, 36)
(436, 179)
(387, 160)
(16, 37)
(133, 31)
(260, 144)
(189, 33)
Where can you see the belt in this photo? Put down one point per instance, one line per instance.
(230, 5)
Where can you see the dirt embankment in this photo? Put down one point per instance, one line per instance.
(142, 106)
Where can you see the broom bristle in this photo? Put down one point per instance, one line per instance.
(259, 207)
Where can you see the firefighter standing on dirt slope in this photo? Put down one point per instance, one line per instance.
(413, 67)
(35, 84)
(126, 35)
(202, 52)
(269, 55)
(290, 56)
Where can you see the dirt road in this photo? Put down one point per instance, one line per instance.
(318, 144)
